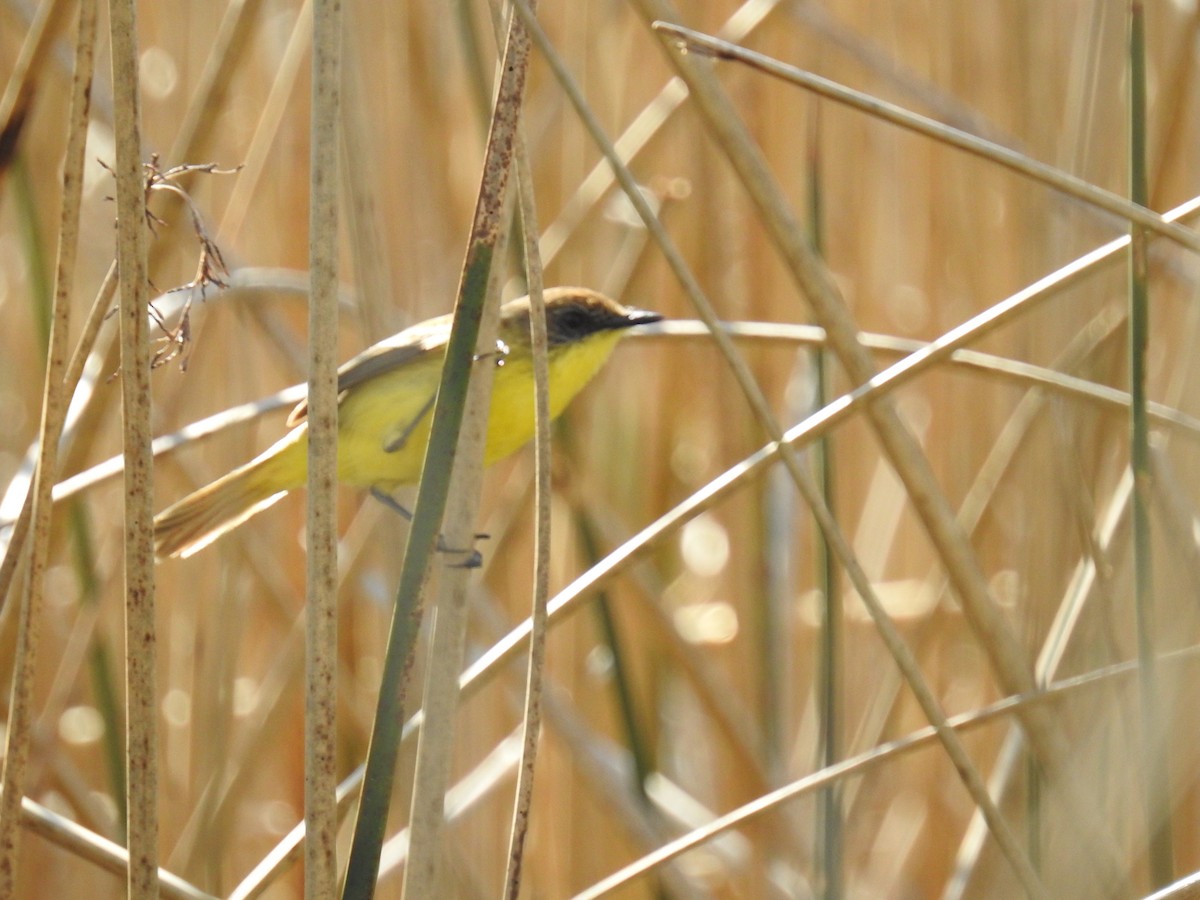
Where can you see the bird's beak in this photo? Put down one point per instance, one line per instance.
(639, 317)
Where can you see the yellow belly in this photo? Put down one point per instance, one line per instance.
(376, 412)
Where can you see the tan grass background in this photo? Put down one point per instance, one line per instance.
(723, 614)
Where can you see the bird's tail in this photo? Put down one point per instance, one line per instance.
(200, 518)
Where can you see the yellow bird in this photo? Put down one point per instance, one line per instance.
(386, 396)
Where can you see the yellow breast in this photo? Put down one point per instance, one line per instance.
(387, 405)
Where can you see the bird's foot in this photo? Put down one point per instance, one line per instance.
(474, 559)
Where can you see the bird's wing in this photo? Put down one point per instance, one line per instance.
(386, 356)
(397, 436)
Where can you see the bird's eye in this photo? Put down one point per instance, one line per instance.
(573, 320)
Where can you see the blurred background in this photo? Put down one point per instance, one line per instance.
(729, 660)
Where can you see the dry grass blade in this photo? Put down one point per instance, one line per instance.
(640, 132)
(234, 39)
(447, 644)
(267, 128)
(140, 631)
(1018, 162)
(39, 501)
(1157, 761)
(98, 850)
(1055, 379)
(532, 713)
(846, 556)
(1012, 668)
(836, 412)
(856, 766)
(432, 500)
(971, 291)
(320, 734)
(275, 863)
(27, 72)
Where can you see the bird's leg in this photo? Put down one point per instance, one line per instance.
(474, 558)
(391, 502)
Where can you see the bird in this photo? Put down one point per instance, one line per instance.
(385, 401)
